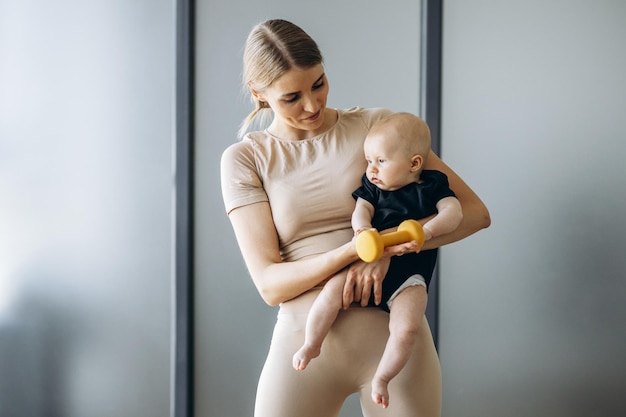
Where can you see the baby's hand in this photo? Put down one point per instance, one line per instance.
(401, 249)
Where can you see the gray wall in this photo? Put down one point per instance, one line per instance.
(532, 310)
(372, 55)
(86, 101)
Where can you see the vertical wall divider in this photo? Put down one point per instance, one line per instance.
(430, 90)
(182, 398)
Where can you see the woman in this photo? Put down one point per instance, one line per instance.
(287, 191)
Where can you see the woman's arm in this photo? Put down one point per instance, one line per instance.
(475, 213)
(279, 281)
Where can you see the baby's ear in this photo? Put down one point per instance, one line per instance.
(416, 162)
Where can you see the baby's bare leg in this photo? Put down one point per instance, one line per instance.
(321, 317)
(406, 314)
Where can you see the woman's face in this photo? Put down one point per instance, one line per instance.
(298, 100)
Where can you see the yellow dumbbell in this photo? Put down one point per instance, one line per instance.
(370, 244)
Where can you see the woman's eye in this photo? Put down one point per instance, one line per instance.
(318, 86)
(292, 99)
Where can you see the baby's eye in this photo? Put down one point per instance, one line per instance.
(380, 161)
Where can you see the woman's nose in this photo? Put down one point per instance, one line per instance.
(310, 104)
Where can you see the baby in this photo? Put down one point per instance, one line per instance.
(394, 188)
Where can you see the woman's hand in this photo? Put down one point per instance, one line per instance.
(366, 278)
(362, 278)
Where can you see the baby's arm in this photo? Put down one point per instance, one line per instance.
(448, 218)
(362, 215)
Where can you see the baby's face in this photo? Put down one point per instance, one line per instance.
(388, 164)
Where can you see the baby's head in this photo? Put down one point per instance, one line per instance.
(396, 149)
(404, 131)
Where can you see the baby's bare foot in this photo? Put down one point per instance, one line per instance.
(303, 356)
(380, 395)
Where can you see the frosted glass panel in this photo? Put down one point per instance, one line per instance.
(372, 58)
(532, 309)
(85, 207)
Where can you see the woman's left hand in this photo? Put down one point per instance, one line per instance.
(364, 278)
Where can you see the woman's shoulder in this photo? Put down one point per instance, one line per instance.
(247, 144)
(240, 151)
(369, 116)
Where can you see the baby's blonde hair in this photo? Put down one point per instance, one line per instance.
(273, 48)
(409, 131)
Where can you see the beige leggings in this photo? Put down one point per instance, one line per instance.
(350, 355)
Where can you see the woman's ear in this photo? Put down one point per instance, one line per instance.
(255, 93)
(416, 162)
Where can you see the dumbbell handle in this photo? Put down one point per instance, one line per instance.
(396, 238)
(370, 244)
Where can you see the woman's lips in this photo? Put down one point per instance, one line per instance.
(314, 117)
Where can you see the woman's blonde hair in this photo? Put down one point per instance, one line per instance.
(273, 48)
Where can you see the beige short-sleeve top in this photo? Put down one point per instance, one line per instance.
(308, 183)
